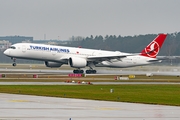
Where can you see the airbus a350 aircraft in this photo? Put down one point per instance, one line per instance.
(55, 56)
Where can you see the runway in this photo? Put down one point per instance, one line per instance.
(173, 72)
(133, 71)
(28, 107)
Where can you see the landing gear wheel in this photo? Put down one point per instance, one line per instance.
(94, 71)
(82, 71)
(87, 71)
(74, 71)
(91, 71)
(78, 71)
(14, 64)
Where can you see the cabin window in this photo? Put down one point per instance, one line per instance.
(12, 47)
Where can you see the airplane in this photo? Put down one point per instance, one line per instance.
(56, 56)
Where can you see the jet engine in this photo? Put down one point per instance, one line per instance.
(52, 64)
(77, 62)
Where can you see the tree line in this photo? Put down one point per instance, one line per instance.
(131, 44)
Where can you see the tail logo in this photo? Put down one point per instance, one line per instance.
(152, 49)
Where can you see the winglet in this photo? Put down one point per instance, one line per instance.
(153, 48)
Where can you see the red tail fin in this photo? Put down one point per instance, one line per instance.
(153, 48)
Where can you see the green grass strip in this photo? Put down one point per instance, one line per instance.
(149, 94)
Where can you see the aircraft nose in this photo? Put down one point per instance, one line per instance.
(6, 52)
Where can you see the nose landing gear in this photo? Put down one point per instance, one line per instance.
(14, 61)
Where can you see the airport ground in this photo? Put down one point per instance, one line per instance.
(28, 107)
(25, 78)
(21, 93)
(40, 73)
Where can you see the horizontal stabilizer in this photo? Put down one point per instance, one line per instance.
(155, 60)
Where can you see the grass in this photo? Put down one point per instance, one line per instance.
(149, 94)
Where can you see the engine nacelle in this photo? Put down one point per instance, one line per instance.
(77, 62)
(52, 64)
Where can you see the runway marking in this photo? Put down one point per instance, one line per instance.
(19, 101)
(106, 108)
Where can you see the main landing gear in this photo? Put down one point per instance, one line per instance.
(78, 71)
(91, 71)
(14, 61)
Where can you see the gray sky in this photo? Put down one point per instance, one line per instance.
(67, 18)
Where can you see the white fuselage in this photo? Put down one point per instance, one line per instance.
(61, 53)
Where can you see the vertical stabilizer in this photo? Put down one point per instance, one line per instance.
(153, 48)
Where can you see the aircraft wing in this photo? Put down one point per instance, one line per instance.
(100, 57)
(106, 57)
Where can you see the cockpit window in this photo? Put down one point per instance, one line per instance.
(12, 47)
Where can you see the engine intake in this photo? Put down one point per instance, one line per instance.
(77, 62)
(53, 64)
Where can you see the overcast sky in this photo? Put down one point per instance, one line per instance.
(67, 18)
